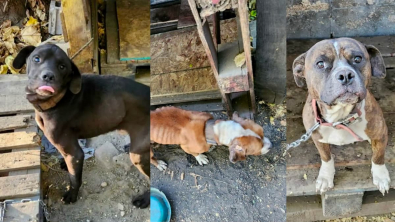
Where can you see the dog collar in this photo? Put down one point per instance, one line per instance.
(50, 102)
(209, 132)
(343, 124)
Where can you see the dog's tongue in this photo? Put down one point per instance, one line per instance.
(47, 88)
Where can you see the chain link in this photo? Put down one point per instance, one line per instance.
(45, 210)
(304, 137)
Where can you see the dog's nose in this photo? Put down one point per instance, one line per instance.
(48, 77)
(345, 77)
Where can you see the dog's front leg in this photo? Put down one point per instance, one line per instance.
(74, 158)
(381, 176)
(327, 171)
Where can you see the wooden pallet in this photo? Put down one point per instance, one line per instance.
(352, 162)
(19, 152)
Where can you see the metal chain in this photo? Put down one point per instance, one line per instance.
(304, 137)
(45, 210)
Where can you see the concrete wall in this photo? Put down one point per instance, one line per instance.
(337, 18)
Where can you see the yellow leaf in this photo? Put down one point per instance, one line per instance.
(305, 176)
(240, 59)
(31, 22)
(8, 62)
(31, 35)
(3, 69)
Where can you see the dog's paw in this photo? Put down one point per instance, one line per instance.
(69, 197)
(202, 159)
(162, 165)
(142, 201)
(266, 146)
(325, 177)
(381, 177)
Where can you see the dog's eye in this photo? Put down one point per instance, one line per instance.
(61, 67)
(357, 59)
(36, 59)
(320, 64)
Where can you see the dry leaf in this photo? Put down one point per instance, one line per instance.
(8, 62)
(31, 35)
(305, 176)
(31, 22)
(240, 59)
(3, 69)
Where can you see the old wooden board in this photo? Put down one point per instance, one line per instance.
(78, 29)
(112, 34)
(164, 19)
(15, 122)
(231, 78)
(19, 186)
(19, 160)
(134, 29)
(194, 80)
(14, 104)
(22, 212)
(347, 179)
(186, 97)
(309, 208)
(182, 49)
(17, 140)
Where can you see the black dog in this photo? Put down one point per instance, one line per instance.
(71, 107)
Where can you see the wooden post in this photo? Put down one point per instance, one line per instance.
(209, 47)
(243, 14)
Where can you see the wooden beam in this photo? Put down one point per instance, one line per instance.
(17, 140)
(245, 30)
(19, 160)
(15, 122)
(19, 186)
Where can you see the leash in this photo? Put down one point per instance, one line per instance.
(343, 124)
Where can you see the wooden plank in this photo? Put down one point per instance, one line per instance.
(183, 82)
(10, 104)
(19, 186)
(19, 160)
(245, 31)
(134, 29)
(308, 208)
(22, 212)
(181, 49)
(78, 33)
(231, 78)
(185, 97)
(18, 140)
(347, 179)
(15, 122)
(112, 34)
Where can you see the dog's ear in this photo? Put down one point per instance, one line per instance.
(75, 84)
(298, 69)
(236, 153)
(376, 61)
(20, 59)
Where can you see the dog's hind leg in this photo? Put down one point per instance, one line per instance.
(160, 164)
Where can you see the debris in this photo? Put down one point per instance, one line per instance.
(122, 213)
(305, 176)
(123, 160)
(195, 176)
(31, 35)
(172, 174)
(240, 59)
(105, 153)
(182, 176)
(103, 184)
(121, 207)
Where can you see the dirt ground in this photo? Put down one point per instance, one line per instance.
(96, 203)
(253, 190)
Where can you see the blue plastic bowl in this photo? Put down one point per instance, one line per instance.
(160, 206)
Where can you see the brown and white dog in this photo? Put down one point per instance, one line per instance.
(337, 73)
(195, 132)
